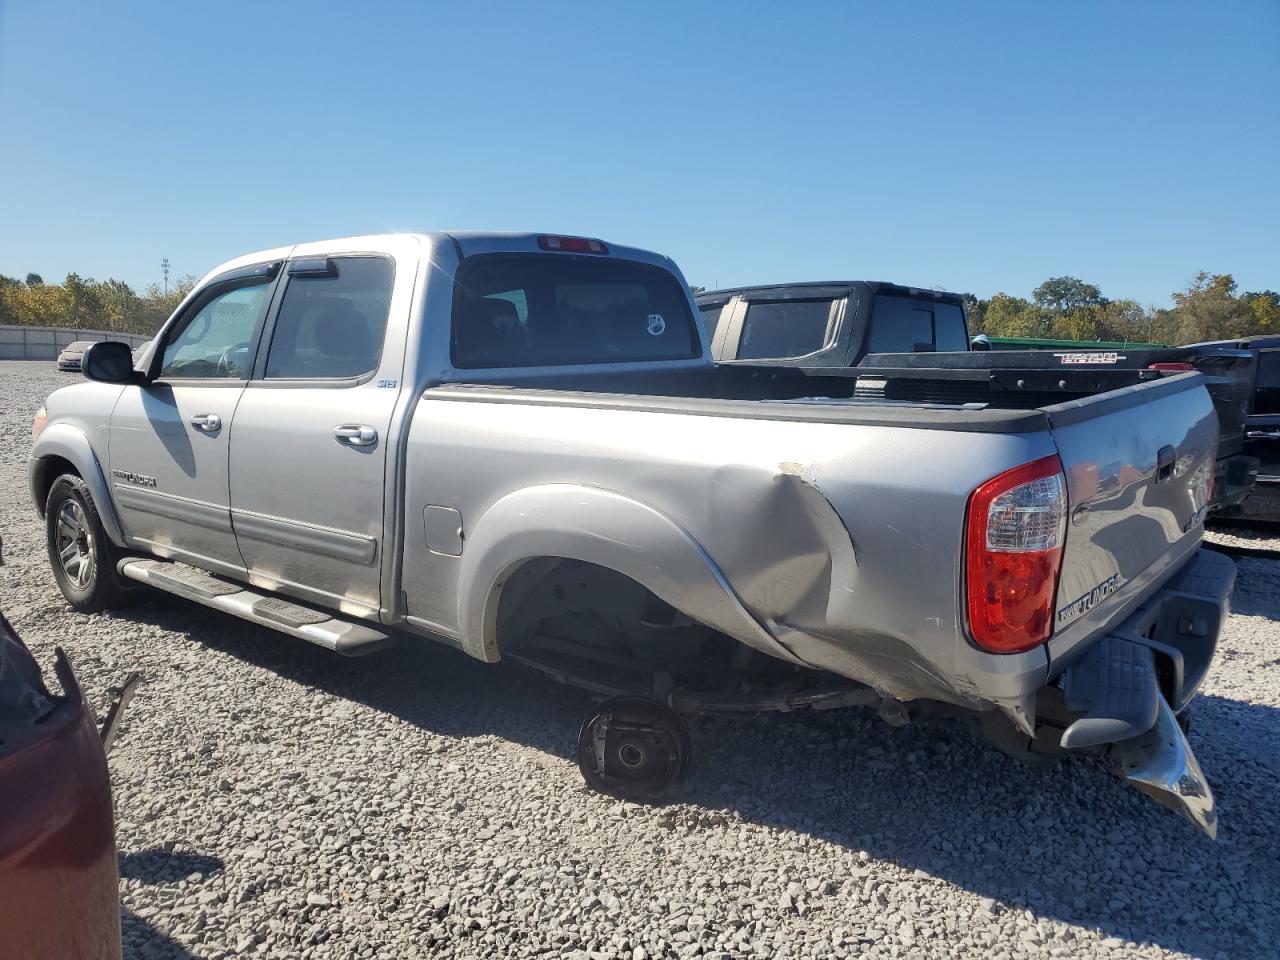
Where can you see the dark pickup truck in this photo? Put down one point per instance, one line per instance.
(1261, 424)
(911, 344)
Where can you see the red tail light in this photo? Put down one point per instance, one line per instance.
(572, 244)
(1016, 528)
(1171, 367)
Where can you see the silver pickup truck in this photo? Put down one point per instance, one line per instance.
(517, 445)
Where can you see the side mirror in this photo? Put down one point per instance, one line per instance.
(109, 362)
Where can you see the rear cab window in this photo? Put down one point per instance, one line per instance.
(783, 328)
(711, 314)
(902, 324)
(535, 310)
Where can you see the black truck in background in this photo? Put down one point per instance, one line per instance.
(1261, 423)
(913, 344)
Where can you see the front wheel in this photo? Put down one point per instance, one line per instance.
(82, 557)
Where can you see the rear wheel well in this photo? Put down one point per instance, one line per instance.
(547, 588)
(600, 628)
(596, 628)
(51, 468)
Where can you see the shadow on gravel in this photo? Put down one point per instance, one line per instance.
(156, 865)
(141, 939)
(1069, 842)
(1257, 587)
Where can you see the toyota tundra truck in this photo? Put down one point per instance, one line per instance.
(518, 445)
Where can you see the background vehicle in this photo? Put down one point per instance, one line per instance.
(58, 880)
(1045, 343)
(1262, 424)
(140, 351)
(69, 358)
(518, 445)
(854, 323)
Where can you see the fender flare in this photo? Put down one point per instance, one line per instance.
(70, 443)
(604, 528)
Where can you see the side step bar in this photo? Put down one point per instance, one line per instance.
(341, 636)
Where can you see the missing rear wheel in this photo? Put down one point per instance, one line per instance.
(633, 748)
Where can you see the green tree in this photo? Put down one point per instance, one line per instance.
(1263, 311)
(34, 280)
(975, 311)
(1007, 316)
(1063, 295)
(84, 303)
(1209, 309)
(119, 305)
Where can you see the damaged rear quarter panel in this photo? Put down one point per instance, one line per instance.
(842, 539)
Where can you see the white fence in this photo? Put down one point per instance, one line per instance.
(45, 343)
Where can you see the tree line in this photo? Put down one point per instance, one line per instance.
(1066, 308)
(1210, 308)
(86, 304)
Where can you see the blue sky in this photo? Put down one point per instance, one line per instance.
(978, 147)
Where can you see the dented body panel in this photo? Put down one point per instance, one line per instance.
(836, 539)
(837, 545)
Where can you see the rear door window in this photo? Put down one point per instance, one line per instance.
(783, 328)
(522, 310)
(331, 326)
(907, 325)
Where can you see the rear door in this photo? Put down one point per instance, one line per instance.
(169, 438)
(1139, 464)
(309, 439)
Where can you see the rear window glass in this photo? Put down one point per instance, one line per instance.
(711, 319)
(1269, 369)
(904, 325)
(537, 310)
(783, 328)
(1267, 399)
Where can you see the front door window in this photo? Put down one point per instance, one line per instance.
(215, 343)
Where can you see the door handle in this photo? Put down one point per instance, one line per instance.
(208, 422)
(355, 434)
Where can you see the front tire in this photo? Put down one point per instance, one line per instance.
(83, 558)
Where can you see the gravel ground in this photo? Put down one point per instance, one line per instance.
(274, 800)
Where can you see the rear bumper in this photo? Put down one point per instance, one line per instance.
(1122, 697)
(1179, 624)
(1233, 479)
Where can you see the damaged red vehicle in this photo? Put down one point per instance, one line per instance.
(59, 893)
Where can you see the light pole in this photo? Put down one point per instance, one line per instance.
(164, 265)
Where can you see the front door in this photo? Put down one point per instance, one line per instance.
(308, 445)
(168, 449)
